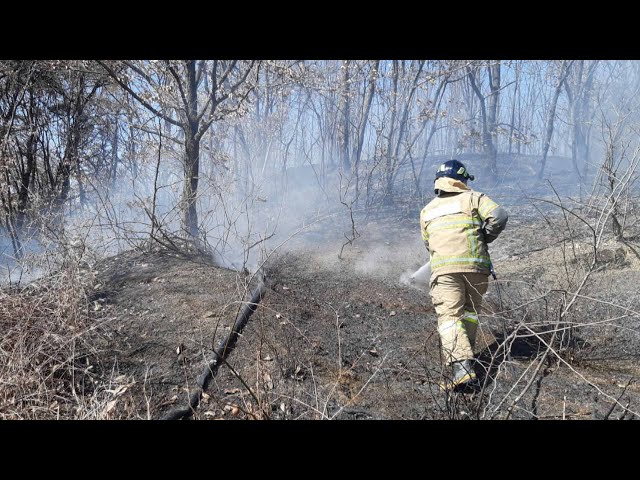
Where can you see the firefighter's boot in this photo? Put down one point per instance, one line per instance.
(464, 377)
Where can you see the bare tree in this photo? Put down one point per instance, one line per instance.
(177, 92)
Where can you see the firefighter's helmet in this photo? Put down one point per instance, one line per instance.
(454, 169)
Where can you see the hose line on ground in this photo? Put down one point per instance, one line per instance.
(220, 353)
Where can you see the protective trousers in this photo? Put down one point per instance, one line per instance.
(457, 298)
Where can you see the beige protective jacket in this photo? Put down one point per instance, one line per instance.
(457, 225)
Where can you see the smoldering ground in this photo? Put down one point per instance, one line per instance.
(340, 334)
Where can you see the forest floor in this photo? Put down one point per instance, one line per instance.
(349, 338)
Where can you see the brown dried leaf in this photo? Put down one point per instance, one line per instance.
(111, 405)
(268, 382)
(121, 389)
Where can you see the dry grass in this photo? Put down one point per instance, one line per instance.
(47, 350)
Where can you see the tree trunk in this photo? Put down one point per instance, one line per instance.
(133, 157)
(344, 125)
(114, 151)
(25, 180)
(434, 125)
(488, 117)
(513, 107)
(403, 126)
(492, 116)
(373, 75)
(388, 196)
(582, 130)
(192, 154)
(10, 219)
(562, 77)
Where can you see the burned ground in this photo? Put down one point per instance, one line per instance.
(340, 332)
(348, 338)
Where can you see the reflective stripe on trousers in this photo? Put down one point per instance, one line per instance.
(471, 325)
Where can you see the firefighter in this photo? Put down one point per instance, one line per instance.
(457, 225)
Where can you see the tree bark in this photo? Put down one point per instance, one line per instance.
(192, 154)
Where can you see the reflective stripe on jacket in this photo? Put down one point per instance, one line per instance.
(451, 225)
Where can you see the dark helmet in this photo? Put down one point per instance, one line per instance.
(454, 169)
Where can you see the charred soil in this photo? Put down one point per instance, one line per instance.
(347, 337)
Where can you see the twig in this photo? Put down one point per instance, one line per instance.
(606, 417)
